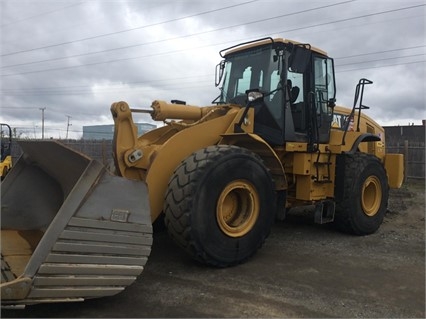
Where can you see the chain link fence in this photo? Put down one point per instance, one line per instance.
(101, 150)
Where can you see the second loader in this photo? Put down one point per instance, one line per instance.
(220, 175)
(6, 150)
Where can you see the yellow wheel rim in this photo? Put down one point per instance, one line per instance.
(237, 208)
(371, 195)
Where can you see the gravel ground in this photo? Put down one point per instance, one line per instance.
(303, 270)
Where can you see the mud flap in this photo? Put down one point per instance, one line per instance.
(69, 229)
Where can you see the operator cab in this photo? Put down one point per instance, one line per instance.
(296, 82)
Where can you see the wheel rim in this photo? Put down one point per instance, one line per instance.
(371, 196)
(237, 208)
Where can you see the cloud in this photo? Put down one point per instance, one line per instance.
(76, 58)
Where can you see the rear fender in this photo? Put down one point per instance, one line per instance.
(363, 138)
(394, 165)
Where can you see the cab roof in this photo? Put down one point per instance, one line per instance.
(265, 41)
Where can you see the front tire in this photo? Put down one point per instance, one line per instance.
(4, 173)
(365, 195)
(220, 205)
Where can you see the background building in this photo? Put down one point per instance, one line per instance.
(105, 132)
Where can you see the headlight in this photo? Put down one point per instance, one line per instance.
(254, 95)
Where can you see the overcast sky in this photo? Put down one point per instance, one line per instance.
(73, 58)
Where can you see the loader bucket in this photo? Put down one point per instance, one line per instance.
(69, 229)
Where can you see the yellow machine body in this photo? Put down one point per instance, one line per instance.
(163, 149)
(5, 166)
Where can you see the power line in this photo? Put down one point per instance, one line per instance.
(380, 66)
(54, 90)
(354, 18)
(124, 90)
(130, 29)
(210, 75)
(379, 52)
(228, 27)
(180, 37)
(109, 91)
(150, 81)
(41, 14)
(185, 36)
(19, 107)
(382, 59)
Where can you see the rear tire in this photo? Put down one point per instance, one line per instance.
(220, 205)
(365, 196)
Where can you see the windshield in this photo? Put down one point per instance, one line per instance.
(254, 69)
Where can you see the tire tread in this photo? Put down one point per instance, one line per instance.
(179, 198)
(345, 216)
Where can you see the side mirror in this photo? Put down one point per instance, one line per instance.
(332, 103)
(299, 58)
(219, 72)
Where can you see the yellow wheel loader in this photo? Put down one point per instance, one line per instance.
(6, 146)
(220, 175)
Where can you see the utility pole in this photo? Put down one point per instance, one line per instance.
(42, 122)
(68, 124)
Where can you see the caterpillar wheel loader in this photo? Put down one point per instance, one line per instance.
(220, 175)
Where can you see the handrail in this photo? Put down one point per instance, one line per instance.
(359, 95)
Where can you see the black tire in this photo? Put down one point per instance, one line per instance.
(4, 173)
(365, 195)
(220, 205)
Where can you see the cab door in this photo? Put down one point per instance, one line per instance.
(311, 87)
(322, 98)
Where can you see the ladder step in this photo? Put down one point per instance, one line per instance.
(323, 181)
(322, 163)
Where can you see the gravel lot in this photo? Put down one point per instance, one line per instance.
(303, 270)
